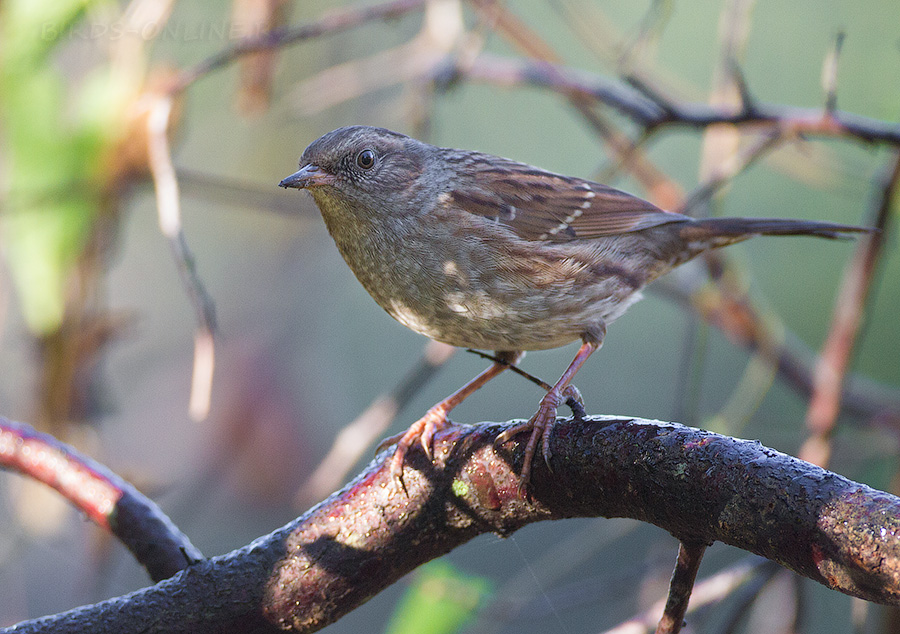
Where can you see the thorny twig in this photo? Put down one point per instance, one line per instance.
(652, 110)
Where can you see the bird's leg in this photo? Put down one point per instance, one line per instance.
(541, 423)
(435, 418)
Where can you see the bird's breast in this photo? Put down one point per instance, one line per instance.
(466, 287)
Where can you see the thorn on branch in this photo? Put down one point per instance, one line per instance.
(730, 169)
(830, 72)
(748, 103)
(669, 109)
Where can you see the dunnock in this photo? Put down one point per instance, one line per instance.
(483, 252)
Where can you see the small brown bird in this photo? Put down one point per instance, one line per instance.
(483, 252)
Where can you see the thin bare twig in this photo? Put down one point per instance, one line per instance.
(513, 368)
(686, 566)
(837, 351)
(169, 211)
(572, 402)
(332, 22)
(353, 439)
(652, 110)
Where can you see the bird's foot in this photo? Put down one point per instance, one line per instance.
(540, 425)
(421, 431)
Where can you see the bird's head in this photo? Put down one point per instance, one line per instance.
(366, 169)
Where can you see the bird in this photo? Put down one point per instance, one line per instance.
(484, 252)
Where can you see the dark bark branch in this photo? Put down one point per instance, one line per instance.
(699, 486)
(686, 566)
(647, 107)
(103, 496)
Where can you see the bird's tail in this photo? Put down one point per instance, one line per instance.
(697, 236)
(720, 232)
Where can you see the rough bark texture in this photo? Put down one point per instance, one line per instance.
(699, 486)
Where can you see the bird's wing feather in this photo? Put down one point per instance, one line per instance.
(540, 205)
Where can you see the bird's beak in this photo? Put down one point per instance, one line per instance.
(306, 177)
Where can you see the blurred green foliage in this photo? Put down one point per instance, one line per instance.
(441, 600)
(56, 138)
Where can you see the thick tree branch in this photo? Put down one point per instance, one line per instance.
(699, 486)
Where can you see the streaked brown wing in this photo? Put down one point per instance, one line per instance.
(540, 205)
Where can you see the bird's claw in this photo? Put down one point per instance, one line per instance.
(423, 431)
(540, 425)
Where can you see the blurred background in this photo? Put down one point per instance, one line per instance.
(99, 312)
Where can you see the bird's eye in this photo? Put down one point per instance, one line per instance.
(366, 159)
